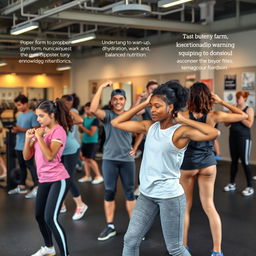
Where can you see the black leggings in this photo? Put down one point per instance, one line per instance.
(111, 170)
(240, 147)
(70, 162)
(23, 167)
(48, 203)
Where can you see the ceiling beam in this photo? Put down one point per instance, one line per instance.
(244, 22)
(140, 23)
(249, 1)
(15, 7)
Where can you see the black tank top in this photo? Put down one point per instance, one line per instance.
(239, 129)
(202, 146)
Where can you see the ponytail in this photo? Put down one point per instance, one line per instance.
(172, 93)
(60, 111)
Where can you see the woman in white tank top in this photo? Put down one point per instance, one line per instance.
(167, 137)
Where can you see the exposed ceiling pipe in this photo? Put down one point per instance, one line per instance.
(207, 12)
(193, 15)
(237, 11)
(110, 6)
(22, 11)
(115, 21)
(13, 7)
(182, 16)
(52, 12)
(169, 12)
(100, 9)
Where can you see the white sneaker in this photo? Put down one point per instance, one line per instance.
(230, 187)
(98, 181)
(248, 191)
(45, 251)
(80, 211)
(17, 190)
(32, 193)
(85, 179)
(63, 209)
(254, 177)
(3, 176)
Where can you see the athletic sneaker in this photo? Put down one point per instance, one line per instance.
(17, 190)
(3, 176)
(217, 253)
(45, 251)
(32, 193)
(63, 209)
(85, 179)
(97, 181)
(80, 211)
(230, 187)
(248, 191)
(106, 234)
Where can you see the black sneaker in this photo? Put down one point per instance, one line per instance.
(106, 234)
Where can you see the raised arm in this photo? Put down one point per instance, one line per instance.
(123, 121)
(235, 114)
(94, 108)
(76, 118)
(141, 98)
(29, 150)
(48, 152)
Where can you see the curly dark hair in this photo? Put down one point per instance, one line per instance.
(200, 98)
(172, 93)
(60, 111)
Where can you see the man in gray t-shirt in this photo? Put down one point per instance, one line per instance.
(117, 160)
(118, 143)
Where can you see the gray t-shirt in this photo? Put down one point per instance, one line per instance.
(118, 143)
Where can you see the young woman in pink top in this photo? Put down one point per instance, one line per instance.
(47, 144)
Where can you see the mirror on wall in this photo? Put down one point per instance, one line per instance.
(36, 95)
(40, 93)
(7, 96)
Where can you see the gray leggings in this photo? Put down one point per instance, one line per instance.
(172, 221)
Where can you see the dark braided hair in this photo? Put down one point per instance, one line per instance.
(172, 93)
(60, 111)
(200, 100)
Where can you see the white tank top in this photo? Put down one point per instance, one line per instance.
(160, 167)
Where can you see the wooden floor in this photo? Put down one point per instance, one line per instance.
(20, 234)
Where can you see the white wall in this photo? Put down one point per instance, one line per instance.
(161, 60)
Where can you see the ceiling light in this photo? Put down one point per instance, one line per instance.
(170, 3)
(62, 68)
(131, 9)
(3, 63)
(24, 28)
(82, 38)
